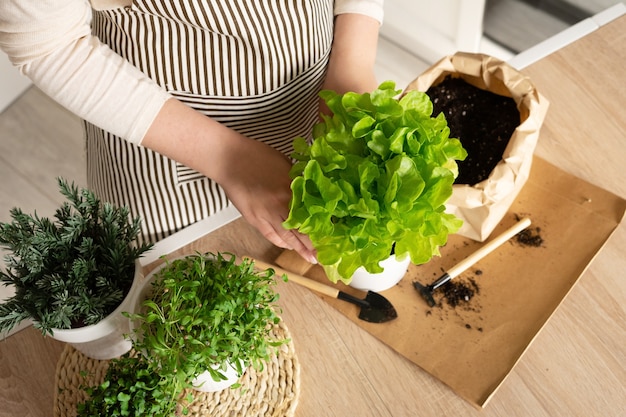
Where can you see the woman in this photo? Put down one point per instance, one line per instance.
(145, 74)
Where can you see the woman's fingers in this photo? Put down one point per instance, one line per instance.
(289, 239)
(259, 186)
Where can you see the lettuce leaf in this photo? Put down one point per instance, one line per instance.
(375, 178)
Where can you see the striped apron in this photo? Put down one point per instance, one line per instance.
(255, 66)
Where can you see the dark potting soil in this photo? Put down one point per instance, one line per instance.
(531, 236)
(458, 292)
(458, 297)
(483, 121)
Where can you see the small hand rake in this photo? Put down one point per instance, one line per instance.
(426, 291)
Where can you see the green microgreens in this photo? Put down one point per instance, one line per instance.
(203, 312)
(71, 271)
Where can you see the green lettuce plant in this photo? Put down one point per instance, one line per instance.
(374, 180)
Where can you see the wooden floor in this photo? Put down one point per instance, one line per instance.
(40, 141)
(521, 24)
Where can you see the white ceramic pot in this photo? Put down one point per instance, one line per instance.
(108, 338)
(394, 271)
(205, 383)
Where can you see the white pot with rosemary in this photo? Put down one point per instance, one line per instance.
(73, 274)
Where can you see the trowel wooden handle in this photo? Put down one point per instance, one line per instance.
(489, 247)
(299, 279)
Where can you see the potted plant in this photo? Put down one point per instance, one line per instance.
(197, 318)
(72, 274)
(374, 181)
(202, 319)
(478, 93)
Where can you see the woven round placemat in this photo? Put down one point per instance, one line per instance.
(272, 392)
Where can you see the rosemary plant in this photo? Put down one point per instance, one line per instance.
(70, 271)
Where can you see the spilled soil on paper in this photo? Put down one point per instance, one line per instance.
(530, 237)
(459, 297)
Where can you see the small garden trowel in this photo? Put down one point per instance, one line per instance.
(374, 308)
(426, 291)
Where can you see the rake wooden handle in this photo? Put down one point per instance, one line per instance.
(298, 279)
(459, 268)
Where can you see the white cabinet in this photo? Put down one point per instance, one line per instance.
(12, 83)
(431, 29)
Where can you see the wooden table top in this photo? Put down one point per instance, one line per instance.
(576, 366)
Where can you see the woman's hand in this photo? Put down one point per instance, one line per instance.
(260, 189)
(254, 176)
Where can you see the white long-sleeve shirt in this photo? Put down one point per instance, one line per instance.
(50, 41)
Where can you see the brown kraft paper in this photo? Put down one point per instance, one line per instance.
(473, 347)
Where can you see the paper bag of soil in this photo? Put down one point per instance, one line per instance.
(482, 205)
